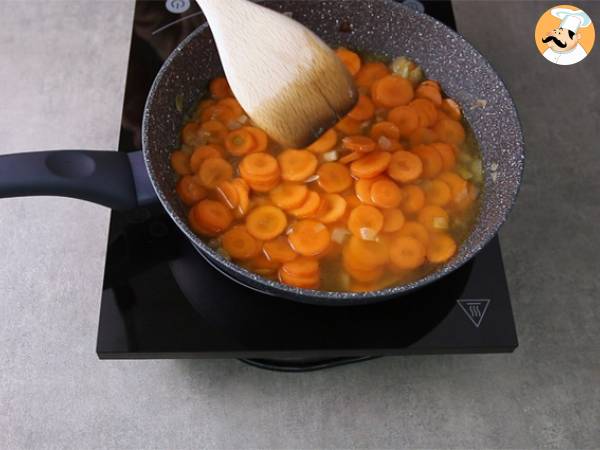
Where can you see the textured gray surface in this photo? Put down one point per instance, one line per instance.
(62, 73)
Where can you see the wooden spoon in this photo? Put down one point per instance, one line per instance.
(289, 81)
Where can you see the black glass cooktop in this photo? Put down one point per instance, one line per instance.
(162, 300)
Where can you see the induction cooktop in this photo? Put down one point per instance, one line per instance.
(161, 299)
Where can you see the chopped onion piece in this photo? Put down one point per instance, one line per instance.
(224, 253)
(440, 223)
(339, 235)
(384, 143)
(331, 156)
(234, 125)
(494, 166)
(464, 172)
(243, 119)
(368, 234)
(312, 178)
(214, 243)
(344, 279)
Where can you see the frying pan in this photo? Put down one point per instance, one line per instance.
(381, 27)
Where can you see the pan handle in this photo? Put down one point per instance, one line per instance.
(114, 179)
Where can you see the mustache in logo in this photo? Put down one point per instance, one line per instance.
(555, 40)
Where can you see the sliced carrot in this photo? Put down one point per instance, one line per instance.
(426, 111)
(431, 159)
(240, 244)
(243, 190)
(393, 220)
(349, 126)
(304, 282)
(392, 91)
(259, 167)
(451, 108)
(371, 165)
(441, 248)
(210, 218)
(405, 166)
(233, 105)
(220, 113)
(334, 177)
(202, 105)
(364, 255)
(361, 144)
(213, 131)
(302, 267)
(464, 201)
(450, 131)
(309, 238)
(352, 156)
(405, 118)
(309, 207)
(289, 195)
(239, 142)
(213, 171)
(264, 186)
(266, 222)
(279, 250)
(350, 59)
(364, 275)
(204, 152)
(385, 193)
(437, 193)
(458, 185)
(362, 188)
(332, 208)
(446, 151)
(297, 165)
(262, 265)
(325, 143)
(180, 162)
(422, 136)
(407, 253)
(432, 83)
(414, 199)
(415, 230)
(430, 93)
(389, 145)
(219, 88)
(260, 138)
(364, 109)
(190, 190)
(189, 134)
(370, 73)
(434, 218)
(387, 129)
(228, 194)
(365, 222)
(352, 201)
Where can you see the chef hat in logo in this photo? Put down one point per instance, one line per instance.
(571, 19)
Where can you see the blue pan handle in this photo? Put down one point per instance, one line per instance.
(114, 179)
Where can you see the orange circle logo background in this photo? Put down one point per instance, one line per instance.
(548, 22)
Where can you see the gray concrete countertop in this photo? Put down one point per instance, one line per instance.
(62, 73)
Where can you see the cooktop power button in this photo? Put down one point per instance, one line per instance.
(177, 6)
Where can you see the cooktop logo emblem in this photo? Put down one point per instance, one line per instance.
(177, 6)
(474, 309)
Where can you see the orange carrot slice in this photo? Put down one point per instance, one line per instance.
(458, 185)
(416, 231)
(240, 244)
(279, 250)
(243, 190)
(361, 144)
(385, 193)
(370, 73)
(426, 111)
(414, 199)
(392, 91)
(204, 152)
(450, 131)
(228, 194)
(232, 104)
(405, 167)
(210, 218)
(362, 188)
(371, 165)
(334, 177)
(297, 165)
(430, 93)
(451, 108)
(190, 190)
(447, 154)
(441, 248)
(431, 159)
(363, 110)
(213, 171)
(219, 88)
(189, 134)
(259, 167)
(422, 136)
(365, 222)
(239, 142)
(434, 218)
(180, 162)
(393, 220)
(437, 193)
(364, 255)
(309, 238)
(266, 222)
(350, 59)
(289, 195)
(261, 140)
(309, 207)
(325, 143)
(349, 126)
(213, 131)
(332, 208)
(387, 129)
(405, 118)
(407, 253)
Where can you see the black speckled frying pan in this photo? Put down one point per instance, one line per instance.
(381, 27)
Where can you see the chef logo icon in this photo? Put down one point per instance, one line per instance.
(564, 35)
